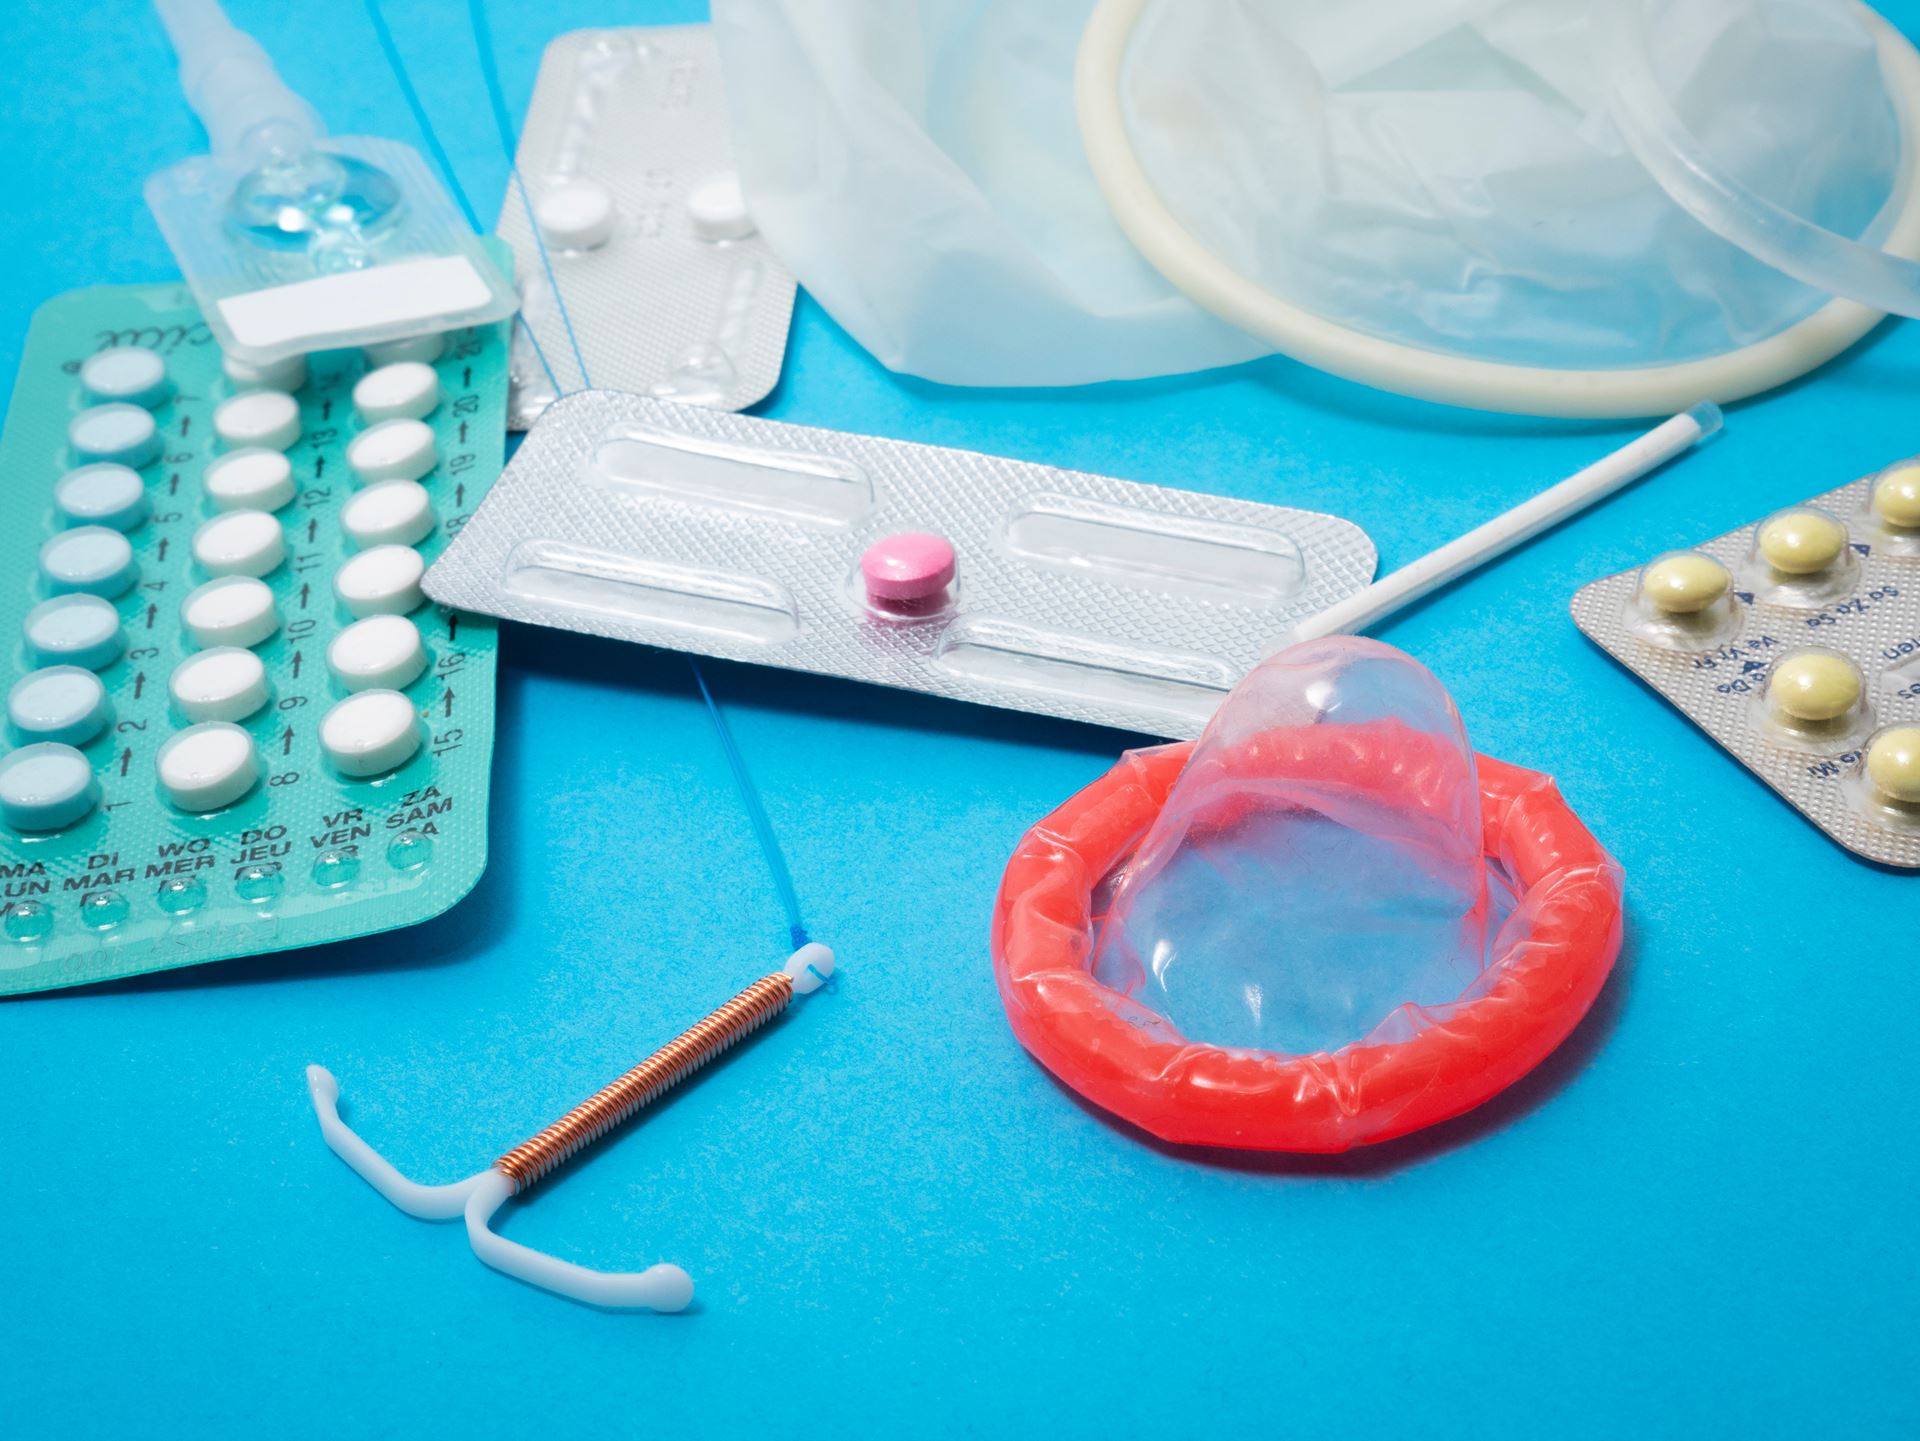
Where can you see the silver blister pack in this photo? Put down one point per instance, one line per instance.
(1760, 668)
(631, 211)
(1070, 594)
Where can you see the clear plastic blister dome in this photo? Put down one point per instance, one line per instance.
(1685, 601)
(1325, 923)
(1802, 557)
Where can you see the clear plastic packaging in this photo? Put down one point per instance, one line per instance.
(293, 242)
(964, 575)
(1436, 198)
(1807, 668)
(1325, 924)
(641, 267)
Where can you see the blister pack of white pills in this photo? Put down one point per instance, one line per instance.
(1795, 643)
(917, 566)
(640, 268)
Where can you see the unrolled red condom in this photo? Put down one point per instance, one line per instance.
(1301, 737)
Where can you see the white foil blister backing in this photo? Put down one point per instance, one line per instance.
(1075, 595)
(1874, 621)
(664, 305)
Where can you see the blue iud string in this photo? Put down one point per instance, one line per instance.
(405, 81)
(489, 72)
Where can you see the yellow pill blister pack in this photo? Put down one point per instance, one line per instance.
(1795, 643)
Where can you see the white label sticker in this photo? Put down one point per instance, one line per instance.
(310, 313)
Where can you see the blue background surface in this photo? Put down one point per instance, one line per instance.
(1697, 1217)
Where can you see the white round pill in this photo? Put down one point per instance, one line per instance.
(102, 494)
(575, 214)
(288, 373)
(394, 512)
(65, 703)
(406, 390)
(207, 767)
(233, 610)
(381, 581)
(393, 450)
(259, 417)
(75, 630)
(252, 479)
(240, 542)
(123, 434)
(382, 652)
(130, 374)
(222, 684)
(91, 559)
(370, 733)
(46, 787)
(717, 208)
(423, 348)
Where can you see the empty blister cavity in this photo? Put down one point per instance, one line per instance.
(102, 494)
(1684, 601)
(664, 464)
(639, 267)
(1802, 557)
(659, 595)
(1001, 653)
(1171, 553)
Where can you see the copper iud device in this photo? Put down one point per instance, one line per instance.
(662, 1287)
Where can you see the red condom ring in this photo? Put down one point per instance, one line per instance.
(1555, 953)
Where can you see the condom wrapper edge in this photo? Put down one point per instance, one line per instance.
(1130, 1061)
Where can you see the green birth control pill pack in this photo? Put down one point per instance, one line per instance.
(234, 723)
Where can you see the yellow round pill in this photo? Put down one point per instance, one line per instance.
(1685, 584)
(1801, 542)
(1896, 496)
(1815, 685)
(1893, 763)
